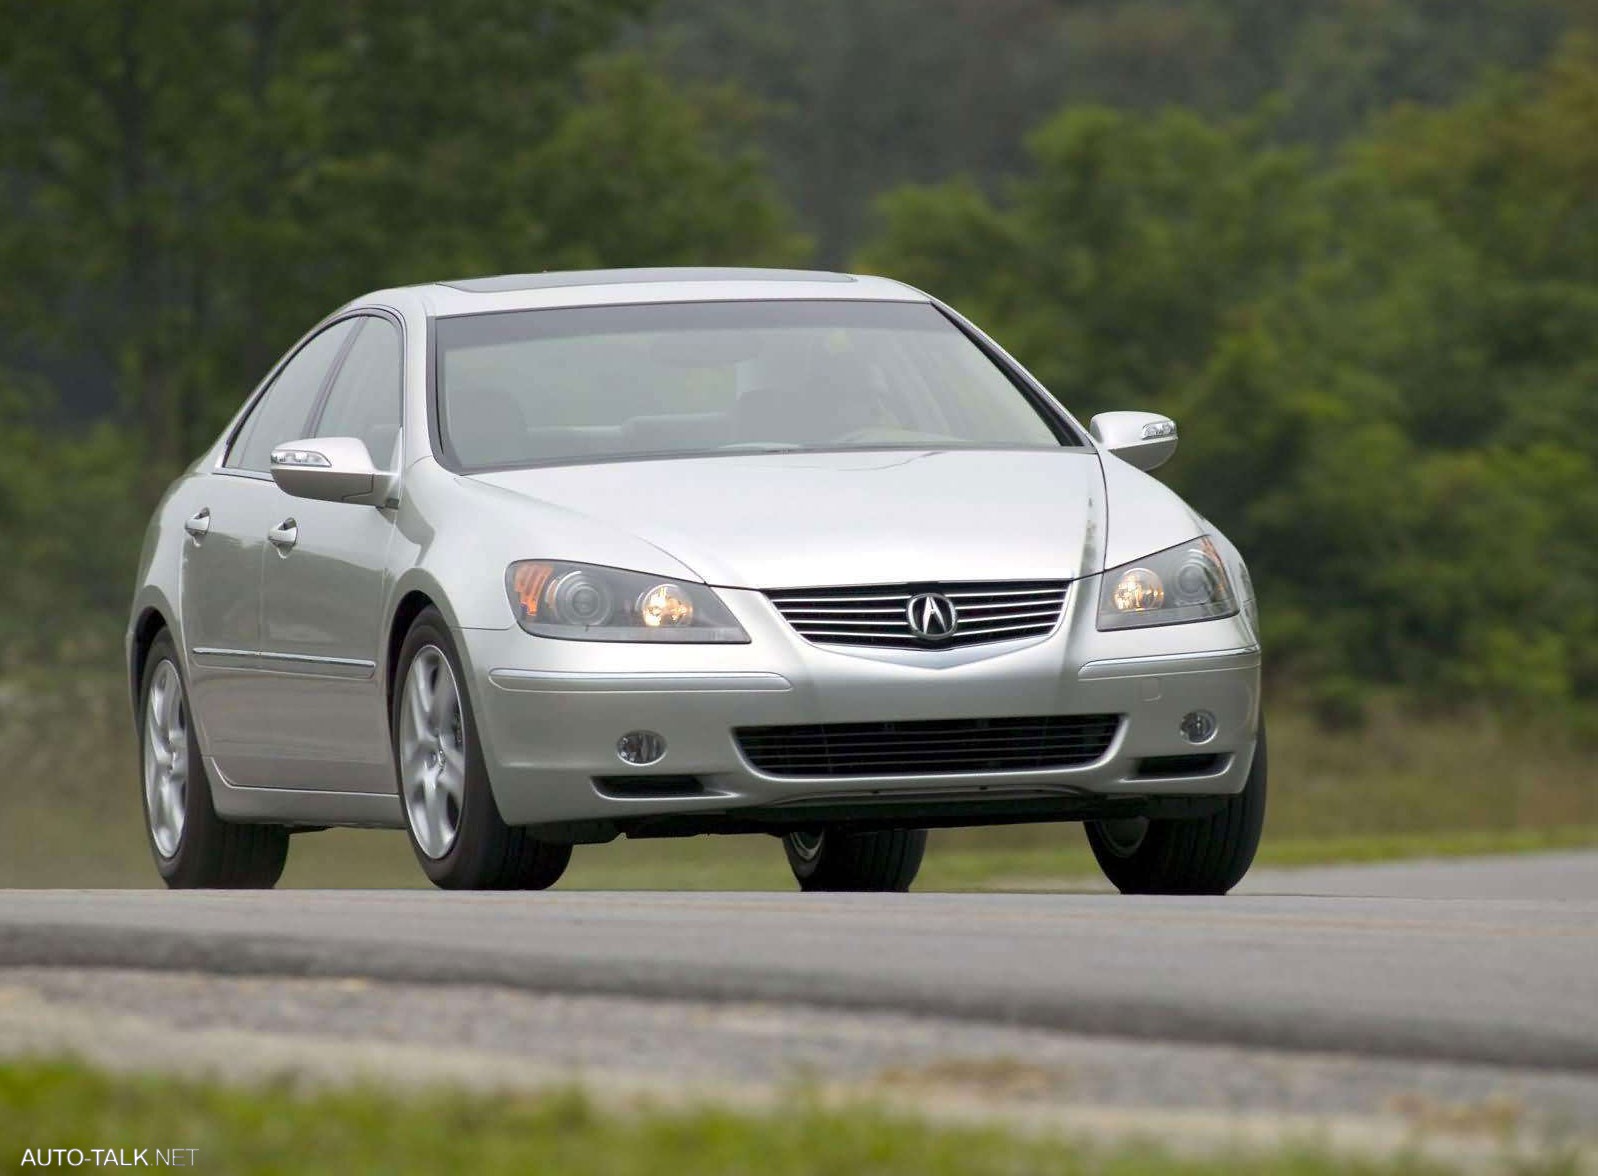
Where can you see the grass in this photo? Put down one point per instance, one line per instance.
(1404, 786)
(279, 1128)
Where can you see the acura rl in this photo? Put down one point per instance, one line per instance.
(521, 563)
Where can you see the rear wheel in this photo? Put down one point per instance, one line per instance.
(1200, 855)
(454, 825)
(836, 860)
(193, 847)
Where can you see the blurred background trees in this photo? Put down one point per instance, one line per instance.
(1381, 357)
(862, 95)
(190, 184)
(1352, 246)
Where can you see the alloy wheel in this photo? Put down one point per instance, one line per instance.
(807, 845)
(1124, 837)
(166, 759)
(432, 752)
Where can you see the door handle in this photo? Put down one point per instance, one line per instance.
(284, 536)
(198, 525)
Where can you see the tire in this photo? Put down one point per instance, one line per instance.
(1202, 855)
(192, 846)
(836, 860)
(454, 826)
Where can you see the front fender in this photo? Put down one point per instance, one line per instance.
(457, 536)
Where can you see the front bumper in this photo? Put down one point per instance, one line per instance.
(550, 712)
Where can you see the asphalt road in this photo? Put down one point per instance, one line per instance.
(1507, 981)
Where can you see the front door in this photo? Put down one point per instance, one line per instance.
(226, 520)
(235, 508)
(323, 584)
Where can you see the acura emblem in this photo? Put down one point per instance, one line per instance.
(932, 616)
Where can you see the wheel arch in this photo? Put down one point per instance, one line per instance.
(410, 606)
(150, 623)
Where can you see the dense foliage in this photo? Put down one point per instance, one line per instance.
(190, 184)
(862, 95)
(1384, 364)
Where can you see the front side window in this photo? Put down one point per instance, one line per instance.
(364, 401)
(669, 379)
(284, 411)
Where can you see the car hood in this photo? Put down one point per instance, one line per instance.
(808, 519)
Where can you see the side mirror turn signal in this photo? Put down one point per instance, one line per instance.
(1144, 439)
(330, 469)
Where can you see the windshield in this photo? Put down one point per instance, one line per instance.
(597, 383)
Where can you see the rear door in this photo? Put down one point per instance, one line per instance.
(221, 578)
(322, 594)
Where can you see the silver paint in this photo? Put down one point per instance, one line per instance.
(289, 700)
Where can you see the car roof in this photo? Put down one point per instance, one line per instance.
(603, 287)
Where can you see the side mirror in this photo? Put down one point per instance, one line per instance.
(330, 469)
(1144, 439)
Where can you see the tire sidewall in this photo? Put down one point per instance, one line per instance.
(851, 861)
(1149, 868)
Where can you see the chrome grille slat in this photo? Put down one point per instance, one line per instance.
(841, 620)
(929, 747)
(957, 594)
(902, 598)
(985, 619)
(851, 635)
(824, 613)
(1012, 603)
(876, 614)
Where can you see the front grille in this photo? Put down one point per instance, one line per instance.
(929, 747)
(1003, 610)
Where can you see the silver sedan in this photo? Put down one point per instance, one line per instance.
(521, 563)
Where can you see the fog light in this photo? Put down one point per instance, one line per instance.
(641, 747)
(1198, 726)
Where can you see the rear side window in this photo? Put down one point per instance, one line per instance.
(284, 412)
(365, 399)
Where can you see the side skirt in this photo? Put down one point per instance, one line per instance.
(287, 806)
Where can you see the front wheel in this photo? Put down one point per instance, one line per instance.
(1200, 855)
(460, 840)
(835, 859)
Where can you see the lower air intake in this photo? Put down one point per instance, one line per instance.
(927, 748)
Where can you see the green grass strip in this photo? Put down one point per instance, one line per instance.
(279, 1129)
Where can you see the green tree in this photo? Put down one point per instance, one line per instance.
(191, 184)
(866, 95)
(70, 532)
(1384, 364)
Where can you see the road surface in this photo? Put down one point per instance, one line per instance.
(1458, 980)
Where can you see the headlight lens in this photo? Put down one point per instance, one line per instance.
(1180, 584)
(586, 603)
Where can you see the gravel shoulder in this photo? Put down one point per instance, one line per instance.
(754, 1055)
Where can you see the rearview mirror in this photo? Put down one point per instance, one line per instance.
(330, 469)
(1144, 439)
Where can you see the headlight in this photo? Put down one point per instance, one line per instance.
(586, 603)
(1184, 583)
